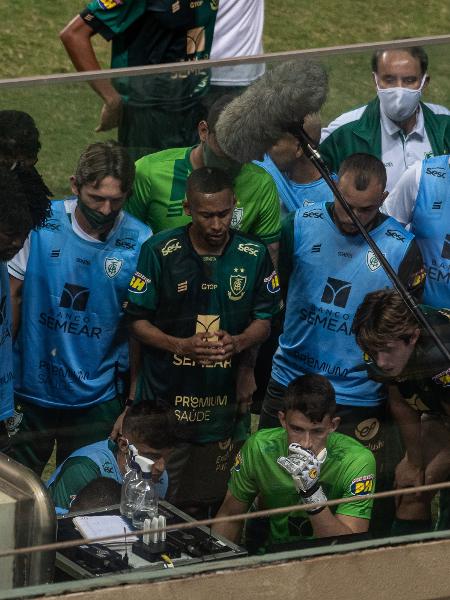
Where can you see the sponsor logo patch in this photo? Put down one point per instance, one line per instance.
(237, 462)
(252, 249)
(273, 283)
(416, 403)
(436, 172)
(362, 485)
(13, 422)
(336, 292)
(138, 283)
(170, 246)
(238, 282)
(109, 4)
(208, 324)
(74, 296)
(443, 378)
(127, 243)
(418, 278)
(313, 214)
(52, 225)
(182, 286)
(397, 235)
(113, 266)
(367, 429)
(312, 473)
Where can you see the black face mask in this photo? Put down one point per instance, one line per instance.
(228, 165)
(95, 219)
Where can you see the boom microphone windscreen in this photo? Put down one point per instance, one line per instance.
(255, 120)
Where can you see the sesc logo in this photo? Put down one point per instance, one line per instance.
(436, 172)
(397, 235)
(74, 297)
(170, 246)
(249, 248)
(336, 292)
(127, 243)
(313, 214)
(52, 225)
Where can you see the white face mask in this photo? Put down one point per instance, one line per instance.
(399, 103)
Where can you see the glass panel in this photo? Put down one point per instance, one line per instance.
(72, 375)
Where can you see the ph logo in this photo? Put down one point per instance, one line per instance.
(336, 292)
(74, 297)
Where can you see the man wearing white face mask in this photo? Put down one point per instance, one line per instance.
(396, 126)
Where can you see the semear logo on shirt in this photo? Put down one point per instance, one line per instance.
(74, 296)
(336, 292)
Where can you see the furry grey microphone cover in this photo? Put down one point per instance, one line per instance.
(255, 120)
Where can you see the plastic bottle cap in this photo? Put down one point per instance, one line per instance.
(145, 464)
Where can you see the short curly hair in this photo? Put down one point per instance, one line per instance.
(19, 137)
(24, 200)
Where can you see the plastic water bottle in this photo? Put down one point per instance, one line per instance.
(130, 480)
(145, 496)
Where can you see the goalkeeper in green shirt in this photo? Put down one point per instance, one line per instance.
(160, 186)
(302, 462)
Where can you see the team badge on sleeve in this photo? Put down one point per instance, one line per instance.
(442, 378)
(418, 278)
(273, 283)
(237, 462)
(362, 485)
(109, 4)
(138, 283)
(236, 220)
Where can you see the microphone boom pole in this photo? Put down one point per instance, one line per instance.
(314, 156)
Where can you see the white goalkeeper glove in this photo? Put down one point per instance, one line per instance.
(304, 468)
